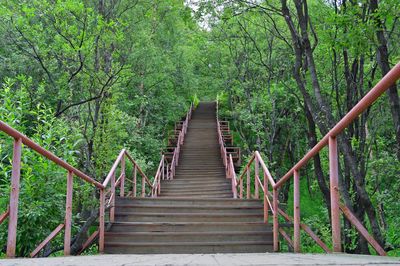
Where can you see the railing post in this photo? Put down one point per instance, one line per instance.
(266, 207)
(334, 190)
(173, 166)
(68, 214)
(134, 180)
(241, 188)
(122, 187)
(256, 171)
(163, 171)
(101, 221)
(159, 178)
(14, 194)
(143, 187)
(232, 176)
(296, 211)
(275, 219)
(112, 208)
(248, 192)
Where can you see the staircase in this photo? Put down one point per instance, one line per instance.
(195, 212)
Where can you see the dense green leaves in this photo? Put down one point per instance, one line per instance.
(87, 78)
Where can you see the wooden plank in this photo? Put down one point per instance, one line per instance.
(47, 240)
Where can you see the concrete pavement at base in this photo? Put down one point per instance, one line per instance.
(206, 259)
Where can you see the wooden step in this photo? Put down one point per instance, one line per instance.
(199, 182)
(188, 247)
(188, 217)
(194, 191)
(188, 200)
(190, 237)
(189, 226)
(136, 208)
(182, 185)
(197, 195)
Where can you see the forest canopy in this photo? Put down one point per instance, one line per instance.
(86, 78)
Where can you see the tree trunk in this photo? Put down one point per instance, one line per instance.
(323, 115)
(383, 61)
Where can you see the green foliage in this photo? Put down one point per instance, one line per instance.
(85, 79)
(42, 190)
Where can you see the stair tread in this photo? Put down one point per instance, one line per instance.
(192, 206)
(200, 243)
(191, 199)
(188, 214)
(192, 223)
(227, 233)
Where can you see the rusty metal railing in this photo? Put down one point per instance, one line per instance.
(330, 140)
(107, 196)
(182, 130)
(227, 152)
(12, 212)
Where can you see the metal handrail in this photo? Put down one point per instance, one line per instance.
(390, 78)
(181, 137)
(330, 139)
(12, 210)
(49, 155)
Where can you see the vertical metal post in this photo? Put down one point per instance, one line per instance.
(159, 179)
(14, 194)
(232, 176)
(241, 188)
(256, 171)
(163, 171)
(134, 180)
(266, 207)
(122, 187)
(334, 189)
(101, 221)
(248, 183)
(275, 219)
(143, 187)
(68, 214)
(296, 211)
(113, 195)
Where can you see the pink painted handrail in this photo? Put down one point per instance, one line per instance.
(181, 137)
(12, 212)
(113, 184)
(160, 174)
(330, 140)
(391, 77)
(49, 155)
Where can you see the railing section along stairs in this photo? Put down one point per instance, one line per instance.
(192, 204)
(195, 211)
